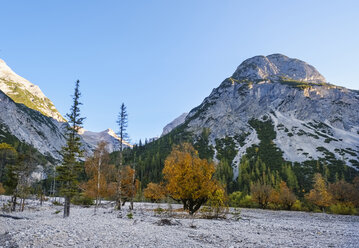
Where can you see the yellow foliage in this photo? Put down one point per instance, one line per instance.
(155, 192)
(261, 193)
(319, 195)
(128, 183)
(218, 201)
(286, 196)
(2, 190)
(188, 177)
(100, 173)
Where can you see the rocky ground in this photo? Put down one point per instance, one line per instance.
(45, 227)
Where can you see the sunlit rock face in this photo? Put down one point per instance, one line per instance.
(307, 113)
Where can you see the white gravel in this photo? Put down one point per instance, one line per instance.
(108, 228)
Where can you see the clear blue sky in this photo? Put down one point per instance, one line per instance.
(162, 58)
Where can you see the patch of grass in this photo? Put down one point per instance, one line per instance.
(56, 203)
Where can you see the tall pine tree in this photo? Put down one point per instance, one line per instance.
(122, 122)
(68, 173)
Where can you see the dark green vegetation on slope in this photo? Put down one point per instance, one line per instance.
(263, 162)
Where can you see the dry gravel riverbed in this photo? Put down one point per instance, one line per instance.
(43, 227)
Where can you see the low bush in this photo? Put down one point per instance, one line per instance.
(342, 208)
(57, 203)
(82, 199)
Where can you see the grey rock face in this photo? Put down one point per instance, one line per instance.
(44, 133)
(275, 66)
(170, 126)
(22, 91)
(108, 136)
(306, 115)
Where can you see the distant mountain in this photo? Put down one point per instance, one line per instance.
(108, 136)
(22, 91)
(284, 102)
(19, 123)
(176, 122)
(28, 116)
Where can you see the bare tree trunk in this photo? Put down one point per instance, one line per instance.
(13, 200)
(118, 200)
(133, 190)
(118, 197)
(41, 198)
(22, 204)
(67, 207)
(98, 183)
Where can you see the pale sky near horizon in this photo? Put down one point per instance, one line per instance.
(162, 58)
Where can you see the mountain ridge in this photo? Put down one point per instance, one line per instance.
(311, 118)
(28, 115)
(23, 91)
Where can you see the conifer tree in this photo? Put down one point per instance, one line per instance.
(224, 174)
(122, 122)
(7, 156)
(71, 166)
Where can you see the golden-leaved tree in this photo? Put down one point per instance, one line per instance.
(189, 178)
(286, 197)
(101, 175)
(154, 192)
(261, 193)
(128, 185)
(319, 195)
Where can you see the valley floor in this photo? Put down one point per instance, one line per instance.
(45, 227)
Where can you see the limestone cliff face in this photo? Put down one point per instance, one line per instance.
(22, 91)
(30, 126)
(170, 126)
(307, 113)
(29, 116)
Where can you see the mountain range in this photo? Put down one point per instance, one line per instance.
(28, 116)
(275, 105)
(285, 98)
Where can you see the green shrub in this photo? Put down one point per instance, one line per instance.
(158, 210)
(342, 208)
(299, 206)
(235, 198)
(82, 199)
(130, 215)
(57, 203)
(238, 199)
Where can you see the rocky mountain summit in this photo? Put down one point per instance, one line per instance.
(108, 136)
(28, 116)
(22, 91)
(277, 66)
(310, 118)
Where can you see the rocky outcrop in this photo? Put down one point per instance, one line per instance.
(170, 126)
(22, 91)
(311, 118)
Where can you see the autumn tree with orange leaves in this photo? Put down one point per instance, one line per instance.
(154, 192)
(128, 185)
(286, 197)
(189, 178)
(319, 195)
(101, 174)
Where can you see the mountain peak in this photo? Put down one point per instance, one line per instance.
(23, 91)
(277, 66)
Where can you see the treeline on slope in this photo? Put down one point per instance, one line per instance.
(17, 163)
(148, 159)
(263, 163)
